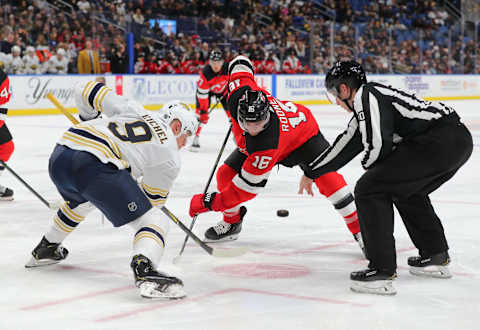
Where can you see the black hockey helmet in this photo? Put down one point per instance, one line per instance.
(216, 55)
(349, 73)
(253, 106)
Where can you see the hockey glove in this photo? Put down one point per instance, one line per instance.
(201, 203)
(84, 119)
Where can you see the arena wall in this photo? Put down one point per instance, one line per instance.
(29, 91)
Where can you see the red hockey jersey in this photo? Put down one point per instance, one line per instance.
(211, 82)
(5, 94)
(289, 127)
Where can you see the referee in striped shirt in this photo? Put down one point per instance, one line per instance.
(409, 148)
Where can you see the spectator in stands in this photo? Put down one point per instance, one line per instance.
(118, 59)
(6, 43)
(291, 64)
(138, 17)
(88, 61)
(84, 6)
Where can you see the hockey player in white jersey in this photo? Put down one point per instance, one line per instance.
(14, 63)
(31, 62)
(58, 63)
(97, 163)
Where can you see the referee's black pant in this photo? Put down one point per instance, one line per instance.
(416, 168)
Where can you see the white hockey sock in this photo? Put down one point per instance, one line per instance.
(66, 220)
(151, 230)
(343, 202)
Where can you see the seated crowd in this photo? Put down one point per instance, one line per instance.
(282, 36)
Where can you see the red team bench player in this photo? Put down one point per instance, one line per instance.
(268, 132)
(6, 143)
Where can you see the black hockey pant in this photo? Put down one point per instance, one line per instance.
(415, 169)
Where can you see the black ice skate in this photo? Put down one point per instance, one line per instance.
(359, 239)
(225, 231)
(195, 147)
(373, 281)
(7, 195)
(47, 253)
(154, 284)
(434, 266)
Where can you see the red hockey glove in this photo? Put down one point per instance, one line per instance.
(201, 203)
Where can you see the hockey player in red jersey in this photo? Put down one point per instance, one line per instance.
(6, 143)
(268, 132)
(213, 82)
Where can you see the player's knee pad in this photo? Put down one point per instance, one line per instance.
(225, 175)
(330, 183)
(6, 150)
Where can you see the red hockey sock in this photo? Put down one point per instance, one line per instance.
(232, 216)
(6, 150)
(333, 186)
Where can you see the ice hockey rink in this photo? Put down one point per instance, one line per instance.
(295, 275)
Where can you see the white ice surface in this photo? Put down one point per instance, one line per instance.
(296, 275)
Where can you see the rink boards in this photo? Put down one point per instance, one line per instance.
(29, 91)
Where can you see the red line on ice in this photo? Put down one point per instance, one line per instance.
(75, 298)
(222, 292)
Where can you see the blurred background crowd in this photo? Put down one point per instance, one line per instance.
(285, 36)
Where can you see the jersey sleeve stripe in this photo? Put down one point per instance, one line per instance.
(84, 142)
(101, 95)
(110, 142)
(373, 128)
(87, 89)
(93, 93)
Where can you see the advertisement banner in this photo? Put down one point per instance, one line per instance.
(301, 87)
(29, 91)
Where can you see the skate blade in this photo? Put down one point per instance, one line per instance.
(150, 290)
(194, 149)
(6, 199)
(223, 239)
(431, 271)
(40, 263)
(383, 288)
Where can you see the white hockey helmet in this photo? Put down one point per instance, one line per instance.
(61, 52)
(16, 49)
(179, 110)
(30, 49)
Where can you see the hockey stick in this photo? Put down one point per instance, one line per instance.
(213, 252)
(177, 258)
(214, 106)
(57, 103)
(50, 205)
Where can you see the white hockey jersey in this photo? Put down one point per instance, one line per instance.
(131, 137)
(56, 65)
(32, 64)
(12, 64)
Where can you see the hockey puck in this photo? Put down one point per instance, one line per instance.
(282, 213)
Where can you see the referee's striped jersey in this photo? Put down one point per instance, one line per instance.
(383, 117)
